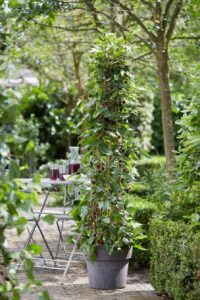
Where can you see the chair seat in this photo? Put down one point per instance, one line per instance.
(56, 213)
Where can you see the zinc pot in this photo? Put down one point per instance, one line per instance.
(109, 272)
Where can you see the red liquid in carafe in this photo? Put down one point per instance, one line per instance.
(54, 174)
(73, 168)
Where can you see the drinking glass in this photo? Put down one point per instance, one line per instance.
(54, 172)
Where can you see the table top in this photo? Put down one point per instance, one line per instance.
(69, 179)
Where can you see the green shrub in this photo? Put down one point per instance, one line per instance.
(153, 176)
(139, 188)
(175, 260)
(189, 150)
(149, 165)
(45, 106)
(143, 212)
(185, 202)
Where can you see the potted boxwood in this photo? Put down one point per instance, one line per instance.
(107, 229)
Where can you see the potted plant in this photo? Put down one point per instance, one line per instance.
(107, 229)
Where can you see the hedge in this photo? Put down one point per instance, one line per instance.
(149, 165)
(175, 260)
(142, 211)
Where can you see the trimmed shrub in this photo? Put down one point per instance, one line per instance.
(175, 260)
(149, 165)
(138, 188)
(143, 212)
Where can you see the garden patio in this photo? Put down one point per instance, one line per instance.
(99, 149)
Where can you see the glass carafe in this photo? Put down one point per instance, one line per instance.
(74, 164)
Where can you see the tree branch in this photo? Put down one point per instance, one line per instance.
(141, 56)
(157, 16)
(123, 28)
(173, 20)
(147, 65)
(69, 2)
(64, 28)
(135, 18)
(92, 8)
(166, 13)
(95, 13)
(186, 37)
(146, 42)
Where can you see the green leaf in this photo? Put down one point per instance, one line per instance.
(28, 267)
(106, 220)
(50, 219)
(140, 237)
(21, 222)
(30, 146)
(15, 139)
(91, 240)
(16, 295)
(125, 241)
(101, 204)
(14, 171)
(117, 217)
(84, 211)
(137, 246)
(15, 3)
(44, 296)
(4, 150)
(99, 189)
(34, 249)
(37, 178)
(115, 187)
(34, 197)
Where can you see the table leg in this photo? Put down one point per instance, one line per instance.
(64, 211)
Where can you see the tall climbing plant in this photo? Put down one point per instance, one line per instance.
(110, 145)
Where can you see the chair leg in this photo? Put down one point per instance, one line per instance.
(46, 243)
(36, 221)
(60, 238)
(69, 260)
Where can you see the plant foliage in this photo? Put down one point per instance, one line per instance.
(15, 207)
(175, 260)
(110, 146)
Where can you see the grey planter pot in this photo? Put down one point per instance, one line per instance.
(109, 272)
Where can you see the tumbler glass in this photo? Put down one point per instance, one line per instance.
(54, 172)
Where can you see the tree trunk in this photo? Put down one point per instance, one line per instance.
(166, 107)
(76, 60)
